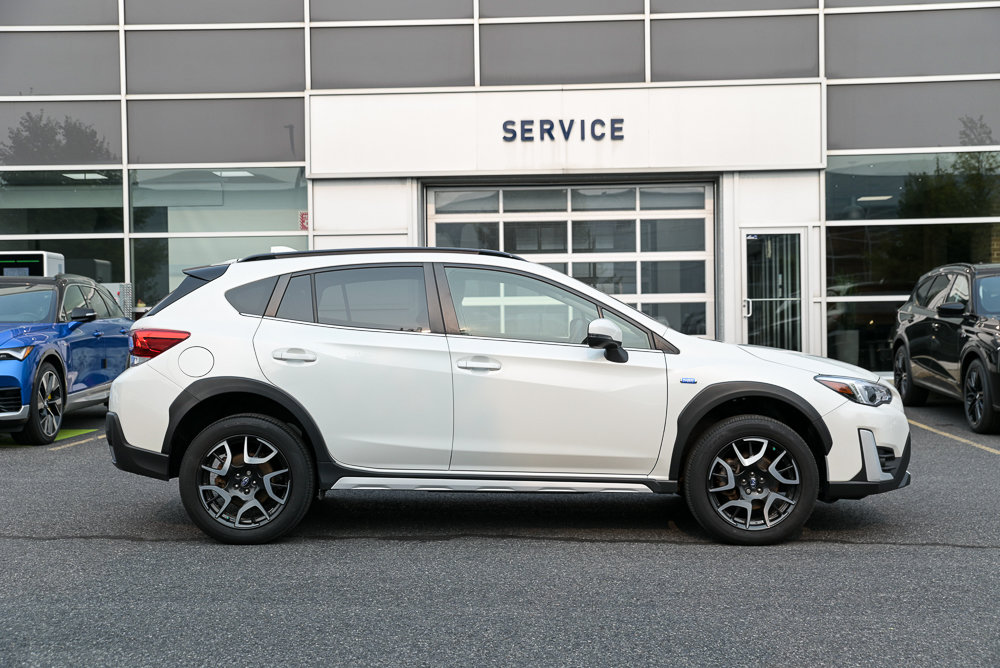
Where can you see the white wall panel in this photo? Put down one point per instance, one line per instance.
(767, 198)
(366, 207)
(711, 128)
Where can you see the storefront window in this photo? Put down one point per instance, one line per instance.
(61, 202)
(858, 332)
(158, 264)
(888, 259)
(244, 199)
(925, 185)
(100, 259)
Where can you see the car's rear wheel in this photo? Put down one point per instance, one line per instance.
(48, 400)
(978, 399)
(902, 376)
(751, 480)
(247, 479)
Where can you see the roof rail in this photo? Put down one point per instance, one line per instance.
(386, 249)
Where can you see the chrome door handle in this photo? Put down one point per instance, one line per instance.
(478, 364)
(98, 334)
(294, 355)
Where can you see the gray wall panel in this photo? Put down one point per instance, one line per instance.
(212, 11)
(216, 131)
(513, 8)
(375, 10)
(59, 63)
(58, 12)
(60, 133)
(568, 53)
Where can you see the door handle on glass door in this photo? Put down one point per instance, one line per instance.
(747, 308)
(294, 355)
(478, 363)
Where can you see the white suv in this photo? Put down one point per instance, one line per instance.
(266, 382)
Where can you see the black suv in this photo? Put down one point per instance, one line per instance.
(946, 340)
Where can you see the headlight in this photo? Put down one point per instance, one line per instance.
(15, 353)
(857, 390)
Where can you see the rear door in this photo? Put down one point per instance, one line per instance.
(922, 336)
(361, 349)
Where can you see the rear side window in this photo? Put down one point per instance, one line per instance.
(252, 298)
(374, 298)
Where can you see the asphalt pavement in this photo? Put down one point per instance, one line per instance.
(101, 567)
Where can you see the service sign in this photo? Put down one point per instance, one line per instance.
(716, 128)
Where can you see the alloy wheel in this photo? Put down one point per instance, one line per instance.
(974, 400)
(754, 483)
(49, 403)
(244, 482)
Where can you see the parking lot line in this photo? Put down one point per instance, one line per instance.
(955, 438)
(82, 440)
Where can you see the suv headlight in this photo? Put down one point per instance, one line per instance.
(15, 353)
(857, 390)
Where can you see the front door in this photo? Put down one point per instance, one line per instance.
(531, 396)
(773, 288)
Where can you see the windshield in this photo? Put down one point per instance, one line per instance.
(988, 295)
(27, 303)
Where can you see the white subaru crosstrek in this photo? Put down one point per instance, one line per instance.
(266, 382)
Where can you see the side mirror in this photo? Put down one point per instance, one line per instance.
(951, 310)
(602, 333)
(82, 314)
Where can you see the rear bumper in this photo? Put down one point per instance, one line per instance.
(132, 459)
(879, 473)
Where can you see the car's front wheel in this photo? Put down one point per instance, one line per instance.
(48, 399)
(978, 399)
(247, 479)
(751, 480)
(902, 377)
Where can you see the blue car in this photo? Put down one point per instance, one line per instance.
(62, 341)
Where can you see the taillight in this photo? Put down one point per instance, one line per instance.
(151, 342)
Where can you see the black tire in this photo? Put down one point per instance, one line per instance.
(247, 479)
(977, 396)
(751, 480)
(902, 377)
(48, 401)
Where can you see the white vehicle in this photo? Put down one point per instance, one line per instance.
(266, 382)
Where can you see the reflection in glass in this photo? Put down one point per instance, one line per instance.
(888, 259)
(60, 133)
(558, 266)
(466, 201)
(672, 197)
(928, 185)
(534, 199)
(603, 199)
(613, 278)
(100, 259)
(158, 264)
(673, 276)
(673, 235)
(685, 318)
(63, 202)
(467, 235)
(243, 199)
(548, 237)
(603, 236)
(858, 333)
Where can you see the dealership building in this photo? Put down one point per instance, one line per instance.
(776, 172)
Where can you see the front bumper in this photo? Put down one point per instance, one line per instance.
(132, 459)
(881, 471)
(14, 420)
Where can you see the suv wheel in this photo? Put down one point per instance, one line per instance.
(247, 479)
(751, 480)
(902, 377)
(47, 403)
(978, 399)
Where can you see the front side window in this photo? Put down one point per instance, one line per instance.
(502, 305)
(988, 294)
(73, 299)
(959, 293)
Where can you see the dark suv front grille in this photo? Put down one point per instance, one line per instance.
(10, 399)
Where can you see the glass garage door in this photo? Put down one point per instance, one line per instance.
(649, 245)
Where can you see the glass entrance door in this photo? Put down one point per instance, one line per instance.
(772, 304)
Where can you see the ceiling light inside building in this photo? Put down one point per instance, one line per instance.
(85, 176)
(874, 198)
(232, 173)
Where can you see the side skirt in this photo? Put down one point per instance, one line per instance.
(496, 485)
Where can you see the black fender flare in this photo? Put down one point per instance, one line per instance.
(720, 393)
(206, 388)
